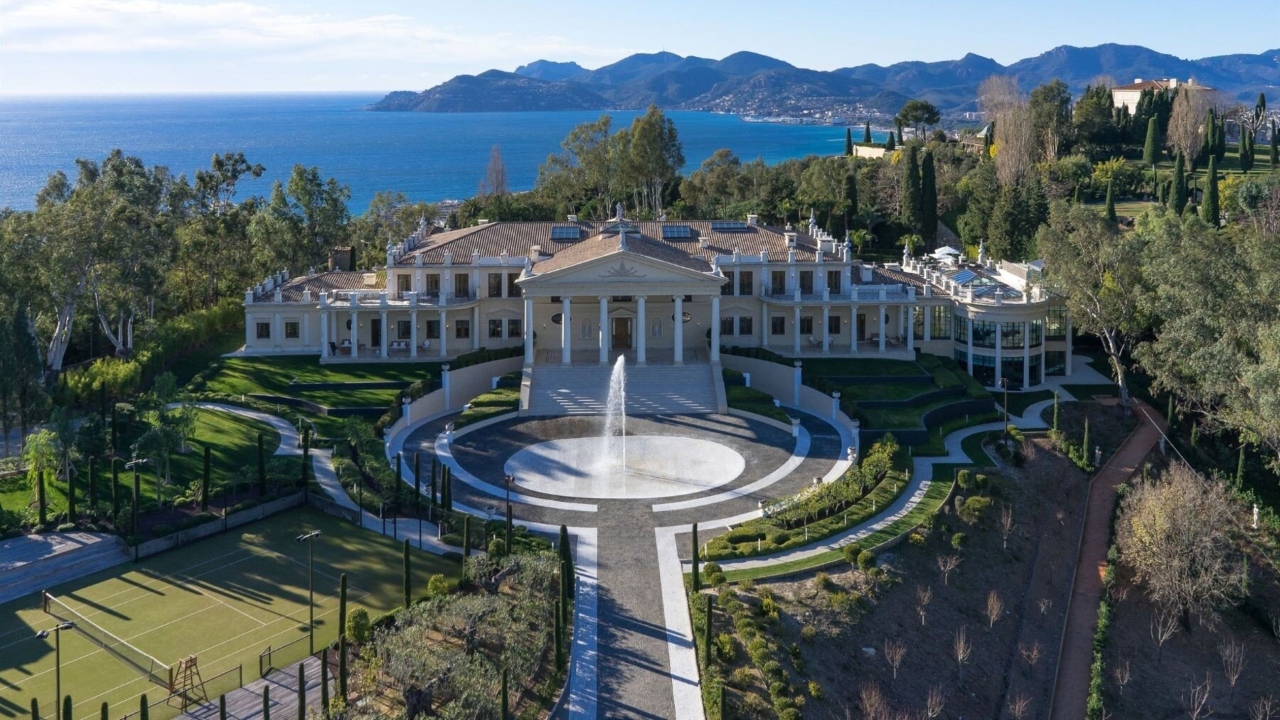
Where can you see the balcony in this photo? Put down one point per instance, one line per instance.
(378, 298)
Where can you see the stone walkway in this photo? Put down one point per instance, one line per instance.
(1071, 688)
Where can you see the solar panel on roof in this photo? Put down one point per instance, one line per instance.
(728, 226)
(565, 232)
(676, 232)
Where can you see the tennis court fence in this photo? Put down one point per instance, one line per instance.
(274, 658)
(154, 670)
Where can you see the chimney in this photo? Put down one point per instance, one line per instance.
(482, 221)
(1137, 80)
(535, 252)
(702, 241)
(791, 239)
(753, 220)
(340, 258)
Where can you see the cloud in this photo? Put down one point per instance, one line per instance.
(127, 27)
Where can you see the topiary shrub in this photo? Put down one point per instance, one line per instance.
(358, 626)
(497, 548)
(851, 552)
(972, 510)
(437, 586)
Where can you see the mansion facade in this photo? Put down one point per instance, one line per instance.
(579, 292)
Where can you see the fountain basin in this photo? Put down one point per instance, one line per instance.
(657, 466)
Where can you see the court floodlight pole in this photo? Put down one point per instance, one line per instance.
(308, 538)
(57, 664)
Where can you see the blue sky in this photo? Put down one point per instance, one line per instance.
(150, 46)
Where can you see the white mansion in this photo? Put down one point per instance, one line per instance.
(580, 292)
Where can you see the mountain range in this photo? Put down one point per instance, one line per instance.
(753, 84)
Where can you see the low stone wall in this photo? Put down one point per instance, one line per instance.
(931, 419)
(218, 525)
(783, 383)
(458, 390)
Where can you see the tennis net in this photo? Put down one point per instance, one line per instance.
(149, 667)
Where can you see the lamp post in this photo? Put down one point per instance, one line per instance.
(57, 664)
(1004, 383)
(308, 538)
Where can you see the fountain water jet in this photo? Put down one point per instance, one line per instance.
(614, 456)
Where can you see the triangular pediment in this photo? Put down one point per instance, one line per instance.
(619, 271)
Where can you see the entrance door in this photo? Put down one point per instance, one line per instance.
(375, 333)
(862, 327)
(621, 339)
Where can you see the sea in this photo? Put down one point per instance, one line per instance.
(426, 156)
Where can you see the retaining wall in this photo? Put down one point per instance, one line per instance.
(463, 385)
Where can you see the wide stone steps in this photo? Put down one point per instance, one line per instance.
(651, 390)
(34, 563)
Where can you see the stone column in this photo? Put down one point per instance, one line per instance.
(324, 333)
(1026, 355)
(715, 328)
(765, 320)
(999, 353)
(249, 328)
(643, 330)
(853, 329)
(928, 314)
(355, 334)
(826, 329)
(679, 322)
(475, 327)
(444, 334)
(604, 329)
(382, 340)
(882, 328)
(1044, 367)
(795, 324)
(528, 331)
(911, 328)
(277, 331)
(306, 330)
(566, 333)
(413, 334)
(969, 326)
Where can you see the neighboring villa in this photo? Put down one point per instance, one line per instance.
(662, 293)
(1127, 96)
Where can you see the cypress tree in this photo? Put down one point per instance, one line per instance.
(222, 708)
(888, 143)
(35, 709)
(143, 710)
(1246, 150)
(102, 712)
(1179, 198)
(434, 466)
(1209, 211)
(1084, 444)
(93, 485)
(1240, 468)
(306, 458)
(262, 468)
(204, 482)
(302, 692)
(266, 702)
(66, 707)
(137, 497)
(850, 196)
(566, 592)
(408, 587)
(566, 550)
(115, 489)
(71, 495)
(508, 537)
(1111, 202)
(928, 200)
(559, 635)
(848, 142)
(324, 686)
(506, 705)
(1275, 148)
(114, 432)
(466, 536)
(697, 583)
(1075, 198)
(1210, 145)
(342, 670)
(342, 604)
(1220, 149)
(1055, 410)
(911, 215)
(1151, 150)
(866, 133)
(706, 634)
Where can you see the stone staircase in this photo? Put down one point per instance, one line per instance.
(651, 390)
(33, 563)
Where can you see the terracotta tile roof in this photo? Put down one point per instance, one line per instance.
(291, 291)
(518, 238)
(887, 275)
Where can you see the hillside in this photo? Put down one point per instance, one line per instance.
(751, 83)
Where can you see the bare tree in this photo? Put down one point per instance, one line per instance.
(1006, 525)
(934, 702)
(1176, 535)
(1015, 138)
(997, 94)
(495, 176)
(1186, 123)
(924, 595)
(1045, 604)
(995, 608)
(874, 705)
(894, 652)
(1018, 705)
(1031, 654)
(947, 564)
(1195, 699)
(1262, 709)
(1232, 663)
(962, 650)
(1163, 625)
(1122, 675)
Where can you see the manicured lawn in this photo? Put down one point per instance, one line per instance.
(356, 397)
(886, 391)
(491, 404)
(1086, 392)
(278, 375)
(892, 418)
(1019, 402)
(829, 367)
(754, 401)
(937, 439)
(224, 600)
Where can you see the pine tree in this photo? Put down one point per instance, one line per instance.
(910, 212)
(408, 587)
(1151, 150)
(1179, 199)
(848, 142)
(204, 482)
(928, 200)
(302, 692)
(262, 468)
(697, 582)
(1209, 211)
(1111, 201)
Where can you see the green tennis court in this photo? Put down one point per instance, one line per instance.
(225, 600)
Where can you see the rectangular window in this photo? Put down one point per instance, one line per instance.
(495, 285)
(1055, 362)
(940, 323)
(984, 334)
(984, 369)
(1011, 335)
(962, 329)
(264, 331)
(746, 282)
(515, 328)
(462, 286)
(433, 285)
(726, 326)
(403, 330)
(806, 282)
(917, 326)
(833, 281)
(962, 358)
(777, 325)
(1055, 326)
(291, 330)
(1011, 371)
(433, 329)
(806, 324)
(833, 324)
(1037, 332)
(745, 328)
(778, 282)
(495, 329)
(462, 329)
(513, 290)
(620, 298)
(404, 283)
(555, 299)
(727, 287)
(1036, 377)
